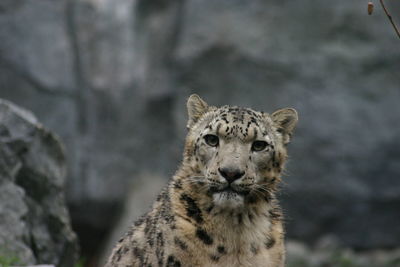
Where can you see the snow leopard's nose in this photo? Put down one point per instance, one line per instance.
(231, 174)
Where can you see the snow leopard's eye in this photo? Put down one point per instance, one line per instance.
(211, 140)
(259, 145)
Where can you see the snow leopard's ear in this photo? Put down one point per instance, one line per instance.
(286, 120)
(196, 108)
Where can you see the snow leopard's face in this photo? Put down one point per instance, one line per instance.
(238, 152)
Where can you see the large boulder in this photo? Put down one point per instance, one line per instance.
(34, 221)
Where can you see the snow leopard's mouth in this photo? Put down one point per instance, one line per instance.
(229, 190)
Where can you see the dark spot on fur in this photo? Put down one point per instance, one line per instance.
(139, 221)
(221, 250)
(149, 231)
(209, 209)
(240, 218)
(270, 242)
(251, 218)
(192, 210)
(117, 255)
(172, 262)
(254, 249)
(214, 258)
(160, 248)
(203, 236)
(180, 243)
(178, 184)
(218, 127)
(138, 253)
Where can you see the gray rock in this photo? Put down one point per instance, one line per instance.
(23, 33)
(34, 224)
(301, 255)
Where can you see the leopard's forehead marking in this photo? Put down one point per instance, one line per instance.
(243, 123)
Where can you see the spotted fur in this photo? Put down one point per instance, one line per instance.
(219, 209)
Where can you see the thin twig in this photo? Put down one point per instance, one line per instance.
(390, 18)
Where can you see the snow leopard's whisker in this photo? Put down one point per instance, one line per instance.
(200, 181)
(258, 193)
(263, 188)
(262, 191)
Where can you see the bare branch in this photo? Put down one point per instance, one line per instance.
(390, 18)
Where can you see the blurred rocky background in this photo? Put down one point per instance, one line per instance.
(111, 79)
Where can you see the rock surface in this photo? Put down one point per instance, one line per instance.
(111, 78)
(34, 222)
(331, 254)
